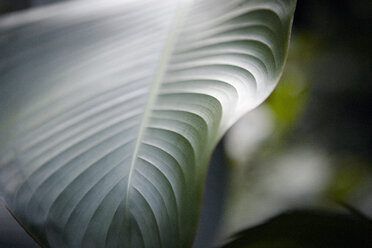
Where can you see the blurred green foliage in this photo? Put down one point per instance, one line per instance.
(322, 112)
(289, 97)
(349, 176)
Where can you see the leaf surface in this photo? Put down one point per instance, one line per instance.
(111, 109)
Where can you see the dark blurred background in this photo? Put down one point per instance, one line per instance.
(308, 147)
(306, 153)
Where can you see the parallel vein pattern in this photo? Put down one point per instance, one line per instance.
(114, 107)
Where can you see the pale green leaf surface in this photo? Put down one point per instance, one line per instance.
(110, 111)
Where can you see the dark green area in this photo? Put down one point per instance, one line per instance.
(307, 229)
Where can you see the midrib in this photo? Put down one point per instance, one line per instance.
(172, 36)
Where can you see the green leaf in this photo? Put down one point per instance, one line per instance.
(111, 109)
(307, 229)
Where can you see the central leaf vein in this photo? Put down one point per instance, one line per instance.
(175, 28)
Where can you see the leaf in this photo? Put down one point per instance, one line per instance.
(111, 110)
(307, 229)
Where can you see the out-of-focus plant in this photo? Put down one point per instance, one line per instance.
(317, 150)
(307, 229)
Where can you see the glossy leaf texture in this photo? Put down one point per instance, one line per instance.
(111, 109)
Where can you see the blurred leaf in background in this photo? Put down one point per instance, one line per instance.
(313, 147)
(307, 229)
